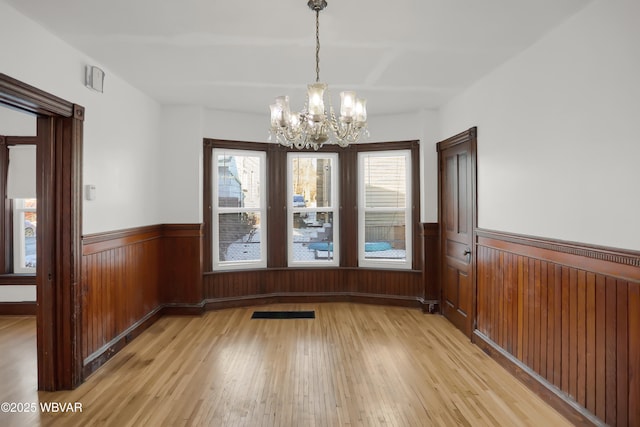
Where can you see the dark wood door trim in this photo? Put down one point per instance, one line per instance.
(469, 136)
(59, 191)
(24, 97)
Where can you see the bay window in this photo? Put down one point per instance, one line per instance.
(331, 208)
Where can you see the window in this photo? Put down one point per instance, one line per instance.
(312, 202)
(19, 222)
(24, 235)
(239, 209)
(384, 199)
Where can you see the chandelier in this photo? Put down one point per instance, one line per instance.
(315, 125)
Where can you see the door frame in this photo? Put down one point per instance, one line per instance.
(59, 192)
(469, 135)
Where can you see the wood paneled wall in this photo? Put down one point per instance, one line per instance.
(181, 264)
(120, 289)
(568, 313)
(415, 288)
(329, 284)
(128, 277)
(430, 263)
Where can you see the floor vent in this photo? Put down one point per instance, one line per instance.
(284, 315)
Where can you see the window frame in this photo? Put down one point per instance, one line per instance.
(7, 274)
(217, 210)
(406, 263)
(333, 209)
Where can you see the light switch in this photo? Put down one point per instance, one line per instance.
(90, 192)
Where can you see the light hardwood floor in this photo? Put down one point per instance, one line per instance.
(354, 365)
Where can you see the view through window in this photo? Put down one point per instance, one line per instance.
(385, 195)
(25, 226)
(240, 208)
(313, 219)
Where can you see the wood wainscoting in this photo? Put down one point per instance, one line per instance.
(430, 263)
(128, 277)
(181, 265)
(131, 277)
(409, 288)
(22, 308)
(286, 285)
(565, 318)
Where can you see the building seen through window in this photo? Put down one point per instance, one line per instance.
(240, 209)
(385, 195)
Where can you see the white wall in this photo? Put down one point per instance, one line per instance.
(236, 126)
(121, 129)
(397, 127)
(429, 137)
(181, 165)
(17, 293)
(16, 123)
(558, 141)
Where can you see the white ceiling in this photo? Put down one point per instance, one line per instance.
(402, 55)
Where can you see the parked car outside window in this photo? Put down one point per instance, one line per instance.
(298, 201)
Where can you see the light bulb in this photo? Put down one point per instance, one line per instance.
(347, 103)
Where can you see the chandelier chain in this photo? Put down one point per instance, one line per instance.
(317, 46)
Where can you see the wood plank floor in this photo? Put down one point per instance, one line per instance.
(354, 365)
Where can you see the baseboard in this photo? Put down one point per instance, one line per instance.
(28, 308)
(303, 297)
(561, 402)
(177, 309)
(107, 351)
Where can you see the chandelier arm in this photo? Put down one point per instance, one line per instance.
(291, 134)
(335, 124)
(283, 141)
(347, 132)
(343, 131)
